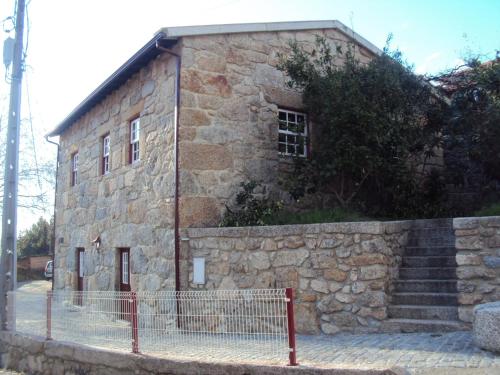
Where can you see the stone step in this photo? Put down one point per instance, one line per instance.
(423, 325)
(429, 261)
(423, 312)
(431, 241)
(425, 286)
(433, 299)
(431, 232)
(430, 251)
(432, 223)
(429, 273)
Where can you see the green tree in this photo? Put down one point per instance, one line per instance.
(375, 125)
(473, 127)
(36, 240)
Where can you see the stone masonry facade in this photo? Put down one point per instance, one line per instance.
(342, 272)
(478, 259)
(132, 206)
(230, 92)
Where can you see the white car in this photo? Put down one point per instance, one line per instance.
(49, 270)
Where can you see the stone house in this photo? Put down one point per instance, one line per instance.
(164, 143)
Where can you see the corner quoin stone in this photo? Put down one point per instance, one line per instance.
(486, 326)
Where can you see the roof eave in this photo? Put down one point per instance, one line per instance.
(113, 82)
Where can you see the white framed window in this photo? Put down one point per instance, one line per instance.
(105, 154)
(292, 133)
(74, 169)
(134, 140)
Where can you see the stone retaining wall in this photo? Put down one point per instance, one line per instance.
(477, 241)
(34, 355)
(341, 272)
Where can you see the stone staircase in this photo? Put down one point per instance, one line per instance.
(425, 295)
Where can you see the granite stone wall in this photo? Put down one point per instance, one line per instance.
(341, 272)
(477, 241)
(130, 207)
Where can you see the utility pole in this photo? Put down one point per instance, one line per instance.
(8, 258)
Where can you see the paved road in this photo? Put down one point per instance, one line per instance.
(418, 352)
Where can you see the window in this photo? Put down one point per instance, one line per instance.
(292, 133)
(74, 169)
(134, 140)
(105, 154)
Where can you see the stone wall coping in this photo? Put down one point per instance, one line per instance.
(128, 363)
(474, 222)
(362, 227)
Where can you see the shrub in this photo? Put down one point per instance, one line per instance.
(250, 208)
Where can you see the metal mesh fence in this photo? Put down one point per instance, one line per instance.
(190, 324)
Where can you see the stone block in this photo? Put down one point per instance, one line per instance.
(466, 223)
(290, 257)
(372, 272)
(320, 286)
(468, 259)
(475, 272)
(306, 319)
(198, 211)
(202, 156)
(486, 326)
(259, 260)
(492, 261)
(335, 274)
(329, 304)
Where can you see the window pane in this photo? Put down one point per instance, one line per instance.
(281, 137)
(282, 147)
(81, 265)
(282, 125)
(282, 116)
(300, 149)
(300, 118)
(291, 149)
(291, 117)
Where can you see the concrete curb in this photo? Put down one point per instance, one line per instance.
(33, 354)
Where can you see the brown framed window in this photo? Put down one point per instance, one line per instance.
(292, 133)
(106, 149)
(134, 154)
(74, 169)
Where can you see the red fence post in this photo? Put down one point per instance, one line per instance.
(135, 330)
(291, 327)
(49, 315)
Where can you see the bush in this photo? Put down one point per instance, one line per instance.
(316, 216)
(373, 125)
(251, 209)
(491, 210)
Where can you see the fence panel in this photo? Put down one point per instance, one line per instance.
(221, 325)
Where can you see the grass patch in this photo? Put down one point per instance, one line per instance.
(491, 210)
(316, 216)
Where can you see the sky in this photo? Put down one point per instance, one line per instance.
(74, 45)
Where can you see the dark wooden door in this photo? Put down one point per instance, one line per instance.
(80, 264)
(80, 254)
(124, 284)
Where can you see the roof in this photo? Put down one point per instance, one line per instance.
(180, 31)
(169, 37)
